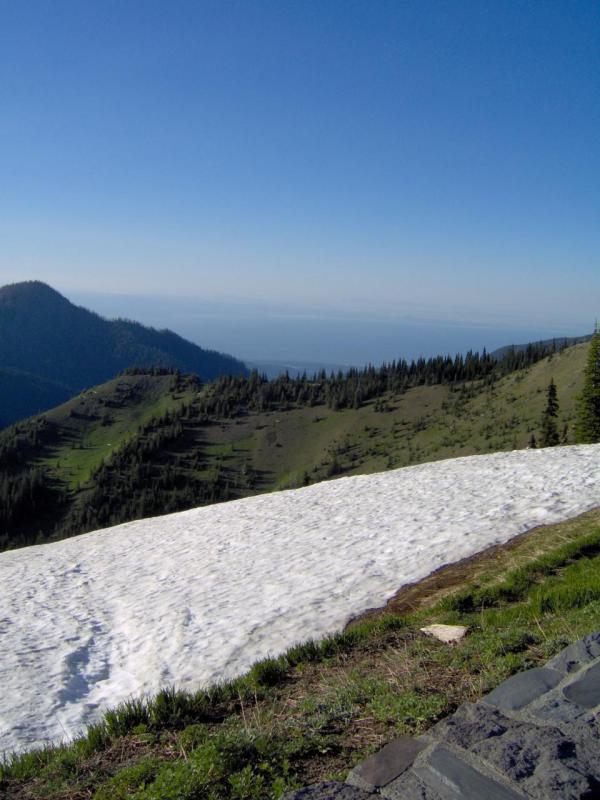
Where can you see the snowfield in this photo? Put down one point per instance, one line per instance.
(198, 596)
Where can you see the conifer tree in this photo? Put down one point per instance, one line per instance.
(587, 427)
(550, 437)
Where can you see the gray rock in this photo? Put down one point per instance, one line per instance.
(455, 779)
(546, 745)
(386, 765)
(577, 654)
(408, 787)
(523, 688)
(554, 709)
(540, 760)
(586, 728)
(585, 691)
(330, 790)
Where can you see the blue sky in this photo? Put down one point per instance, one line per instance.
(428, 158)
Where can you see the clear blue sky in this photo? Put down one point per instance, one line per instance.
(358, 155)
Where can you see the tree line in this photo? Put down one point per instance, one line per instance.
(229, 396)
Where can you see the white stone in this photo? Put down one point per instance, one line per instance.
(446, 633)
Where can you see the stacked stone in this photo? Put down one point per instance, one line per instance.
(537, 735)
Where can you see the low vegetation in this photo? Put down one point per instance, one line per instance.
(316, 710)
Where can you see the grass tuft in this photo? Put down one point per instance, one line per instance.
(126, 716)
(269, 671)
(580, 588)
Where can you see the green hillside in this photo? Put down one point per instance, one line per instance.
(425, 423)
(93, 425)
(148, 443)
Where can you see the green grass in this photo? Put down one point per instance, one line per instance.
(580, 588)
(316, 710)
(518, 583)
(426, 423)
(91, 430)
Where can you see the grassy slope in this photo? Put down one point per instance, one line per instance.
(319, 709)
(67, 445)
(425, 424)
(99, 421)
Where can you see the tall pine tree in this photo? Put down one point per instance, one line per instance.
(587, 427)
(550, 437)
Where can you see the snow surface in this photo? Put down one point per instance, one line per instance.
(198, 596)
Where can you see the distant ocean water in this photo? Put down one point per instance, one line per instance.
(258, 332)
(355, 342)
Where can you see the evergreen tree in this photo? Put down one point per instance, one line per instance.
(532, 442)
(587, 427)
(550, 437)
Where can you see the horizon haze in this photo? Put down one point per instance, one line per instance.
(295, 334)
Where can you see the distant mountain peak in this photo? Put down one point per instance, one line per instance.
(31, 291)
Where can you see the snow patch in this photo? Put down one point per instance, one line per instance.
(198, 596)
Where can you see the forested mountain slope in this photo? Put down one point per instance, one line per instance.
(51, 349)
(153, 442)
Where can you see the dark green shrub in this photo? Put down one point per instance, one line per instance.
(269, 672)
